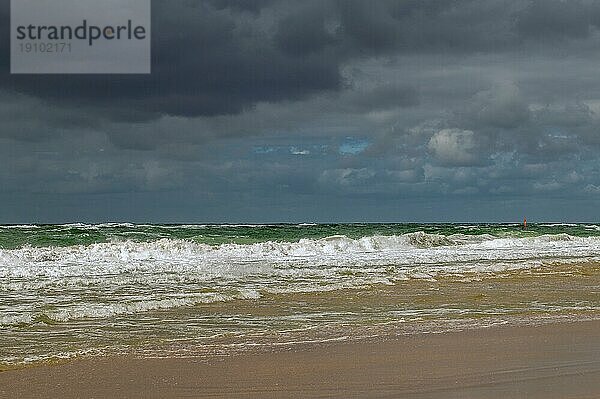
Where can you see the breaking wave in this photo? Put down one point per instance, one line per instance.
(180, 256)
(173, 273)
(84, 311)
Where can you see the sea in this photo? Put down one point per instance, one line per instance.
(86, 290)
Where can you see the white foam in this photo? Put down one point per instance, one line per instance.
(181, 256)
(15, 319)
(171, 273)
(19, 226)
(101, 311)
(559, 225)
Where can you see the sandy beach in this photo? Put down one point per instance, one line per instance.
(551, 361)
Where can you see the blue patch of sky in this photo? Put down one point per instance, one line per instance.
(263, 150)
(345, 146)
(353, 146)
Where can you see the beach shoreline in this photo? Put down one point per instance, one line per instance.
(558, 360)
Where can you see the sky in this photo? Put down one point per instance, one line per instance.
(318, 111)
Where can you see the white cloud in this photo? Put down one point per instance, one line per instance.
(549, 186)
(573, 177)
(346, 176)
(454, 147)
(593, 189)
(296, 151)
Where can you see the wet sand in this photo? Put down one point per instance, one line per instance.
(551, 361)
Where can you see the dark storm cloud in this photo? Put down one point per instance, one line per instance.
(210, 59)
(205, 62)
(548, 19)
(375, 27)
(381, 98)
(241, 5)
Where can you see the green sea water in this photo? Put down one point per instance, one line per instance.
(12, 237)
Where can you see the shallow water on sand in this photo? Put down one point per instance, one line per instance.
(80, 290)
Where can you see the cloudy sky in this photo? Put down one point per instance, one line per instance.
(265, 111)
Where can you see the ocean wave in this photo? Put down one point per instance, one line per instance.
(84, 311)
(19, 226)
(559, 224)
(231, 260)
(181, 255)
(15, 319)
(81, 284)
(106, 310)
